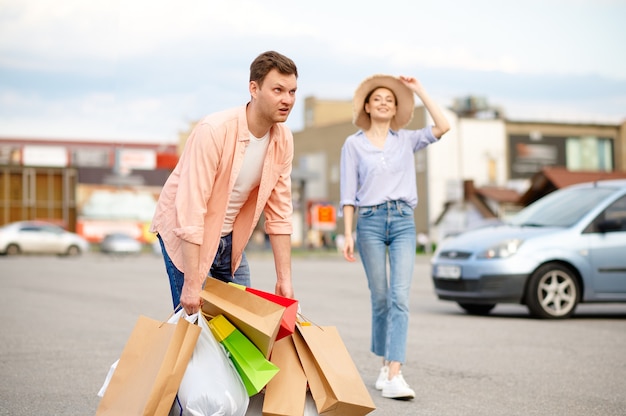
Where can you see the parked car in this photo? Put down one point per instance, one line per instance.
(40, 237)
(566, 248)
(120, 243)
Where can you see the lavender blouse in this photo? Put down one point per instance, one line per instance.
(371, 176)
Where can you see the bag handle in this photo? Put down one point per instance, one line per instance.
(179, 310)
(304, 321)
(206, 315)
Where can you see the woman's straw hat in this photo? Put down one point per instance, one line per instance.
(404, 96)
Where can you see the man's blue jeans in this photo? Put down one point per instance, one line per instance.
(220, 269)
(388, 230)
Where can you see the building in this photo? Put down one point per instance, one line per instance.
(92, 188)
(480, 170)
(499, 156)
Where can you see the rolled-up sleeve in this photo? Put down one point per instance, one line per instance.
(420, 138)
(279, 207)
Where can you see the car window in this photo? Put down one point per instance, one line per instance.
(42, 228)
(561, 208)
(53, 229)
(614, 213)
(30, 228)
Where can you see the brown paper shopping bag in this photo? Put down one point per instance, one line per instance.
(285, 394)
(257, 318)
(150, 369)
(334, 380)
(288, 323)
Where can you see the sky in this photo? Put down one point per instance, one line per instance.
(143, 70)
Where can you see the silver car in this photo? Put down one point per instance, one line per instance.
(40, 237)
(120, 243)
(568, 247)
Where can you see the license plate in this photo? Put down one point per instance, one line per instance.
(448, 272)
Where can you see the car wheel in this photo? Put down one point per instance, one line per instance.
(72, 251)
(552, 292)
(477, 309)
(13, 250)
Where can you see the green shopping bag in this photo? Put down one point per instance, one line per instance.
(255, 370)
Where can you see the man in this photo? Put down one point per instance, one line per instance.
(235, 166)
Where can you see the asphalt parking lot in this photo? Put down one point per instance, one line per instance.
(65, 321)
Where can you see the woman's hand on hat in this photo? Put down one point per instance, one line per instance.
(412, 83)
(441, 125)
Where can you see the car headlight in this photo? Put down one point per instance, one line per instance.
(501, 250)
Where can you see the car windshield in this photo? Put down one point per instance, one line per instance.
(561, 208)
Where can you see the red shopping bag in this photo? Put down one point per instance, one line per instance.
(288, 322)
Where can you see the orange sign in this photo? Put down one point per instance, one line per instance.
(323, 217)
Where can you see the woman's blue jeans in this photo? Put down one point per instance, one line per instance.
(220, 269)
(388, 231)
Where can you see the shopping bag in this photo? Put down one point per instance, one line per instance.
(334, 381)
(288, 322)
(285, 394)
(253, 368)
(172, 320)
(257, 318)
(146, 377)
(211, 385)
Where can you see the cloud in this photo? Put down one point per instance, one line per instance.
(65, 35)
(139, 69)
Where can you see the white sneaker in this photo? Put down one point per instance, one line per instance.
(397, 388)
(382, 377)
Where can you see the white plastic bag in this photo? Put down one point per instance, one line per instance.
(211, 385)
(108, 379)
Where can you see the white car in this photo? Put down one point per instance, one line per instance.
(40, 237)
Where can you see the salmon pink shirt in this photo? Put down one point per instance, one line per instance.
(193, 202)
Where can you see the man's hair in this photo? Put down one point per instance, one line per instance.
(269, 60)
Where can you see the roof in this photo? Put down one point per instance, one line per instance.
(476, 197)
(551, 178)
(498, 194)
(561, 177)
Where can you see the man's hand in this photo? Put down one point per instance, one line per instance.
(190, 297)
(284, 289)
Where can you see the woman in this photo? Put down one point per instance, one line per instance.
(378, 180)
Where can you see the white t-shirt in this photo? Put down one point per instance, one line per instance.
(248, 179)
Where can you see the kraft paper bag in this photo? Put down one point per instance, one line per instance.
(255, 370)
(285, 394)
(257, 318)
(335, 383)
(150, 369)
(288, 323)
